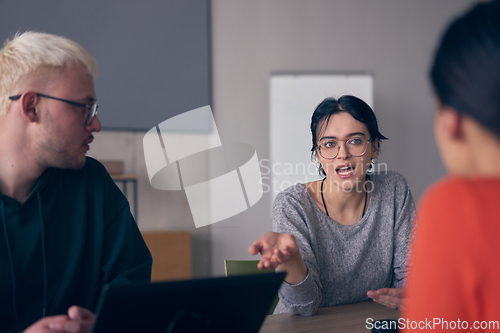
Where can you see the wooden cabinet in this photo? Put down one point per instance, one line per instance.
(171, 251)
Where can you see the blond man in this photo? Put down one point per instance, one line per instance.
(66, 229)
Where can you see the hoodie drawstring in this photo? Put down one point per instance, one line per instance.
(9, 253)
(44, 256)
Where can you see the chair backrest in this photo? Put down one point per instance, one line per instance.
(242, 267)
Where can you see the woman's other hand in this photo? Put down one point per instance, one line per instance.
(390, 297)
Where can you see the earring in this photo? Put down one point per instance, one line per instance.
(371, 168)
(319, 166)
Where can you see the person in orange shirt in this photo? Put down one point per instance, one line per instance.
(454, 280)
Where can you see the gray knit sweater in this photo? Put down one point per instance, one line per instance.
(345, 261)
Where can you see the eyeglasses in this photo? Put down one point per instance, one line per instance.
(330, 148)
(91, 108)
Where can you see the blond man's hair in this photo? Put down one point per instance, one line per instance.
(31, 52)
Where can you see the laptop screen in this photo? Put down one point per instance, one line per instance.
(223, 304)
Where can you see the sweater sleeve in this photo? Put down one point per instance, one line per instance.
(292, 216)
(402, 231)
(443, 277)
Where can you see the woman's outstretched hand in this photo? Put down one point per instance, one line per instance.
(280, 251)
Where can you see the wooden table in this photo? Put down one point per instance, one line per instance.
(341, 318)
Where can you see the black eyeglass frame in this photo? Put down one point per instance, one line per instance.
(345, 143)
(91, 108)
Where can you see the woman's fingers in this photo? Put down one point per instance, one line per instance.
(390, 297)
(274, 248)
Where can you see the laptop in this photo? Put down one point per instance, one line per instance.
(222, 304)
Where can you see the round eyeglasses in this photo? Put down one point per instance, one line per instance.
(330, 148)
(90, 108)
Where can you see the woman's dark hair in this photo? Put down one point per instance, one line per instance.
(466, 70)
(354, 106)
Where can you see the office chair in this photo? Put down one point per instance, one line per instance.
(242, 267)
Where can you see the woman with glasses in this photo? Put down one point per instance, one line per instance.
(454, 278)
(344, 238)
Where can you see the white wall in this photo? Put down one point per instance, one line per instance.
(393, 39)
